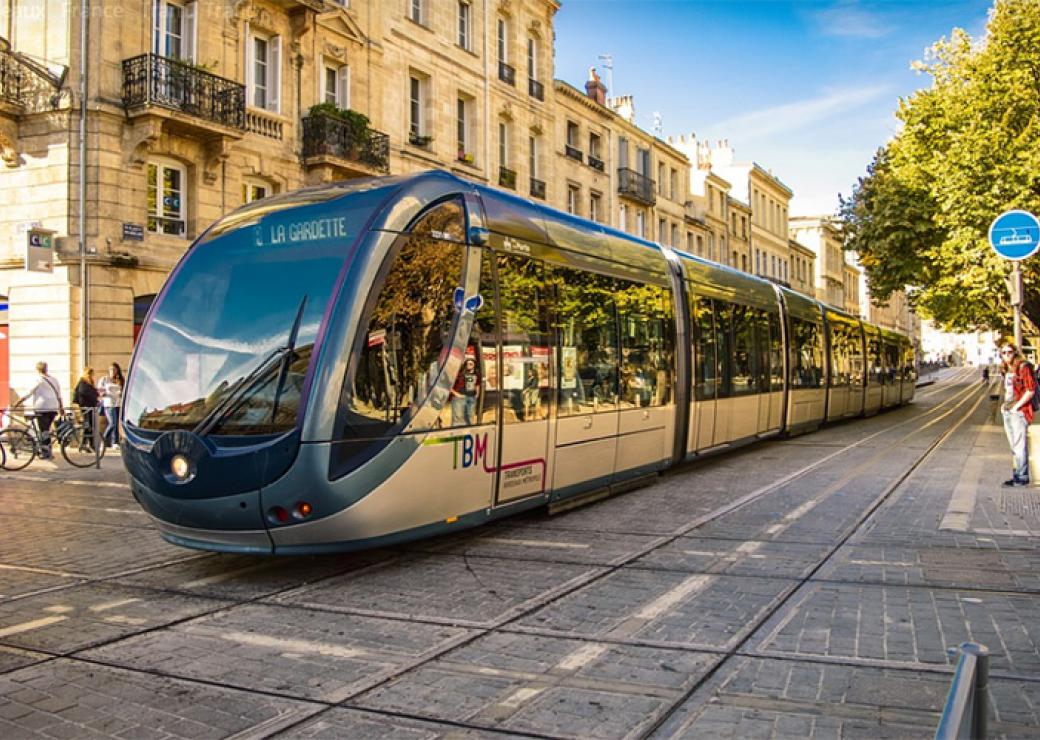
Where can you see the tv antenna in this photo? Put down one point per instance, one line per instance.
(608, 64)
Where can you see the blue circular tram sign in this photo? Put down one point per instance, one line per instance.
(1015, 235)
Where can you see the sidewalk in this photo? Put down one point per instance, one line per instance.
(57, 470)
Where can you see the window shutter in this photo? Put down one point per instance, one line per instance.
(275, 65)
(250, 65)
(189, 31)
(343, 86)
(157, 28)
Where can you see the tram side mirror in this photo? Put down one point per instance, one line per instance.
(478, 235)
(474, 303)
(460, 296)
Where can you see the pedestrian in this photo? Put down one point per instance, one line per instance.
(111, 390)
(464, 394)
(46, 397)
(86, 397)
(1017, 410)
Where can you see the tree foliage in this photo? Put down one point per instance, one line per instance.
(968, 149)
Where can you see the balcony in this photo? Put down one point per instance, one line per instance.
(636, 186)
(25, 87)
(507, 178)
(265, 124)
(573, 152)
(535, 89)
(596, 163)
(538, 188)
(507, 74)
(207, 101)
(339, 149)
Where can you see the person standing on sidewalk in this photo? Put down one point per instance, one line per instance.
(46, 396)
(1017, 409)
(111, 389)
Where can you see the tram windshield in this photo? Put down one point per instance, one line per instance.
(226, 351)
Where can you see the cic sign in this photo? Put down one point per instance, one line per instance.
(39, 250)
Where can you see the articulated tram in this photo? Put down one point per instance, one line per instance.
(381, 360)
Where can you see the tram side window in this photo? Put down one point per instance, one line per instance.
(877, 374)
(647, 344)
(706, 363)
(909, 366)
(742, 381)
(891, 362)
(856, 355)
(474, 393)
(806, 354)
(839, 354)
(724, 344)
(525, 383)
(405, 341)
(761, 321)
(588, 342)
(776, 354)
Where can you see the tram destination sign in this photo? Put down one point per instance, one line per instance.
(1015, 235)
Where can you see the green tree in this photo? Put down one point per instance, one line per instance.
(969, 148)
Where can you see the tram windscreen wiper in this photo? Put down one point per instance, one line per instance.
(282, 355)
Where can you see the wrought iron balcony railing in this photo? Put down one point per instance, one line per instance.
(535, 89)
(573, 152)
(506, 73)
(26, 85)
(150, 79)
(537, 188)
(507, 178)
(326, 135)
(596, 163)
(636, 186)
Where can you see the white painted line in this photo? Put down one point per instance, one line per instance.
(667, 600)
(121, 619)
(305, 647)
(962, 503)
(225, 576)
(112, 605)
(28, 626)
(1007, 532)
(59, 609)
(519, 697)
(535, 543)
(582, 657)
(890, 563)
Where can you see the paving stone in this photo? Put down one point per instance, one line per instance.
(12, 658)
(661, 607)
(733, 557)
(774, 699)
(79, 617)
(337, 723)
(538, 543)
(550, 686)
(68, 699)
(906, 625)
(1010, 570)
(245, 577)
(78, 549)
(291, 652)
(62, 501)
(15, 582)
(466, 591)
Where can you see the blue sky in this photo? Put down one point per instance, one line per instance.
(807, 89)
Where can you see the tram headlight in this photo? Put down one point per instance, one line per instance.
(180, 467)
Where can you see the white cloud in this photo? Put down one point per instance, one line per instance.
(847, 18)
(799, 114)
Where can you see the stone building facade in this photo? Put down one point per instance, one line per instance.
(803, 268)
(824, 238)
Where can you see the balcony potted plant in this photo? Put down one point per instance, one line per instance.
(419, 140)
(465, 157)
(353, 125)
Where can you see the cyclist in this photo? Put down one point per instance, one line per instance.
(46, 396)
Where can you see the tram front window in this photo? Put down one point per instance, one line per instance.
(227, 349)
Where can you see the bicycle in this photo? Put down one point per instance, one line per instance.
(22, 443)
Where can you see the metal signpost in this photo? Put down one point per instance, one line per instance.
(1015, 235)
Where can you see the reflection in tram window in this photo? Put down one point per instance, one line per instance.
(471, 401)
(891, 362)
(776, 354)
(407, 337)
(806, 354)
(588, 343)
(706, 366)
(647, 344)
(856, 355)
(525, 379)
(744, 360)
(877, 374)
(841, 337)
(761, 355)
(909, 366)
(723, 329)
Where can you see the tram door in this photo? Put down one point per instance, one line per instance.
(524, 378)
(705, 373)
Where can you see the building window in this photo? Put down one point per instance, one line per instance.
(675, 236)
(573, 195)
(743, 262)
(166, 207)
(503, 46)
(640, 224)
(417, 101)
(416, 10)
(623, 217)
(572, 134)
(661, 183)
(336, 82)
(532, 163)
(254, 190)
(263, 70)
(662, 230)
(674, 185)
(594, 146)
(595, 206)
(503, 144)
(689, 242)
(174, 29)
(532, 58)
(700, 246)
(463, 106)
(465, 14)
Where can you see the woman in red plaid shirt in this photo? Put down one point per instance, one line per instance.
(1017, 409)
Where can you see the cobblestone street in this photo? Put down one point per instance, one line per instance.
(808, 587)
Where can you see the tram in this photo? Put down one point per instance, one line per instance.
(380, 360)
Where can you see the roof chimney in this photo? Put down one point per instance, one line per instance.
(624, 106)
(595, 88)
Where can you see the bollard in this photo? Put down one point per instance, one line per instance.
(964, 715)
(1033, 450)
(981, 688)
(96, 430)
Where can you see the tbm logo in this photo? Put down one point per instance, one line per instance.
(473, 448)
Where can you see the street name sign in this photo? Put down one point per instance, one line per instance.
(1015, 235)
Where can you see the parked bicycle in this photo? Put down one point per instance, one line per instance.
(21, 442)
